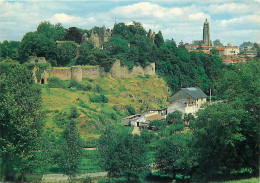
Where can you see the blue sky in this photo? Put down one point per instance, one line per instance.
(231, 21)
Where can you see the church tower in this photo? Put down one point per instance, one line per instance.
(206, 37)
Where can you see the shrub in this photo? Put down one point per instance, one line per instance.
(98, 88)
(38, 75)
(99, 99)
(74, 113)
(90, 143)
(75, 84)
(130, 109)
(55, 82)
(113, 116)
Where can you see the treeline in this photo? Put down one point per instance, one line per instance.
(132, 44)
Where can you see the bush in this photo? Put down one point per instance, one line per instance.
(74, 113)
(99, 99)
(38, 75)
(98, 88)
(75, 84)
(90, 143)
(55, 82)
(130, 109)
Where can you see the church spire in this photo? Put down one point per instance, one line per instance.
(206, 34)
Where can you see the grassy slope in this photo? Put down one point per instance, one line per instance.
(140, 92)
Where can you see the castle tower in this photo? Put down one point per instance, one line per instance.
(206, 37)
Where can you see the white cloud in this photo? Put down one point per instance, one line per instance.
(247, 22)
(66, 19)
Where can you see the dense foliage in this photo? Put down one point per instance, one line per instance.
(123, 154)
(20, 119)
(71, 149)
(131, 44)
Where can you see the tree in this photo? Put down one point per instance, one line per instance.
(85, 50)
(71, 150)
(66, 51)
(217, 140)
(73, 35)
(217, 42)
(174, 118)
(117, 45)
(225, 135)
(55, 32)
(158, 39)
(36, 44)
(123, 154)
(171, 155)
(9, 49)
(20, 119)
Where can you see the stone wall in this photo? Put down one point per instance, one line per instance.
(117, 71)
(64, 73)
(92, 72)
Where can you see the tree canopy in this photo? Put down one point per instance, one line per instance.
(20, 119)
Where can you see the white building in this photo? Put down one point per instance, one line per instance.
(187, 100)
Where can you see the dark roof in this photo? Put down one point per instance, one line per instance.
(194, 92)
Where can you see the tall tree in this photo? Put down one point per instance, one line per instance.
(71, 150)
(20, 119)
(9, 49)
(66, 51)
(73, 35)
(55, 32)
(123, 154)
(36, 44)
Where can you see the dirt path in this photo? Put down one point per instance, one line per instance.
(136, 131)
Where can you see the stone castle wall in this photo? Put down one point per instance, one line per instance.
(63, 73)
(117, 71)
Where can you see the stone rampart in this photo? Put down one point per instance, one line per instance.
(92, 71)
(76, 73)
(63, 73)
(117, 71)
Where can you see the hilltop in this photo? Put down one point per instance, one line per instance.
(140, 92)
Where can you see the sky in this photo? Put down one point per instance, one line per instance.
(231, 21)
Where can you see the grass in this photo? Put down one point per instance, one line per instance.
(139, 92)
(89, 163)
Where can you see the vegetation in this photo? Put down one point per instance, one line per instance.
(123, 154)
(222, 141)
(20, 119)
(71, 149)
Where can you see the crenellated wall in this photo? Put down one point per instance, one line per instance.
(117, 71)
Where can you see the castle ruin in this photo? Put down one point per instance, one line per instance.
(98, 38)
(80, 72)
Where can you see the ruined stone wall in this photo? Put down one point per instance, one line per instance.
(92, 72)
(63, 73)
(76, 73)
(117, 71)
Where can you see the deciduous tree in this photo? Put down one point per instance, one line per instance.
(20, 119)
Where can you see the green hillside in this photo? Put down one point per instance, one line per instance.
(142, 93)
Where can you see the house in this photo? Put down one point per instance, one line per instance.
(232, 50)
(129, 120)
(145, 119)
(187, 100)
